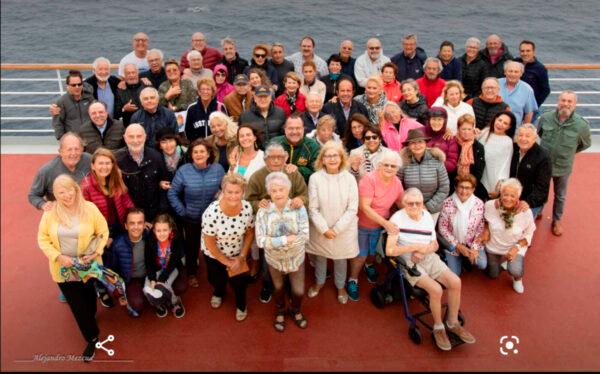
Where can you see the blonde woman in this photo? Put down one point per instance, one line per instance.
(325, 131)
(452, 98)
(374, 98)
(224, 131)
(333, 209)
(64, 235)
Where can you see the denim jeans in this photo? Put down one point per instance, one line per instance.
(340, 268)
(515, 267)
(560, 196)
(455, 262)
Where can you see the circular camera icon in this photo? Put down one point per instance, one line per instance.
(508, 344)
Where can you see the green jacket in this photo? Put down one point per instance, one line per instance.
(187, 97)
(256, 190)
(563, 140)
(302, 155)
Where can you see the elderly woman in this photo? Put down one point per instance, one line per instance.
(508, 233)
(224, 131)
(378, 192)
(391, 86)
(67, 231)
(194, 187)
(354, 131)
(396, 126)
(366, 158)
(415, 241)
(196, 71)
(374, 98)
(436, 130)
(424, 169)
(333, 205)
(461, 224)
(497, 140)
(260, 61)
(452, 101)
(224, 88)
(291, 100)
(471, 155)
(227, 233)
(413, 104)
(197, 120)
(283, 232)
(325, 131)
(176, 93)
(473, 68)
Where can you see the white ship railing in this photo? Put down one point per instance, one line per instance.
(586, 87)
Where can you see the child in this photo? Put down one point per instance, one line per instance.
(163, 253)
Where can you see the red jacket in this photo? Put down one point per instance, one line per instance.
(91, 192)
(281, 102)
(392, 91)
(210, 58)
(431, 89)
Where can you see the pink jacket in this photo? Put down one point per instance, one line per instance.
(393, 139)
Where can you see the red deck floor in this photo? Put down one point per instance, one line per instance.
(556, 319)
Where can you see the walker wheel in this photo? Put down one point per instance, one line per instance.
(415, 335)
(378, 297)
(461, 318)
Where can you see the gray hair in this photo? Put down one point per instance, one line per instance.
(72, 134)
(272, 147)
(131, 64)
(148, 89)
(227, 40)
(568, 92)
(528, 126)
(193, 53)
(473, 40)
(412, 192)
(413, 83)
(277, 178)
(156, 51)
(389, 155)
(508, 63)
(436, 60)
(99, 60)
(490, 78)
(513, 183)
(409, 37)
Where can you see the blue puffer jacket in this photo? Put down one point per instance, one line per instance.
(193, 189)
(121, 260)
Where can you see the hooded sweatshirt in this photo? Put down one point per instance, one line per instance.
(224, 88)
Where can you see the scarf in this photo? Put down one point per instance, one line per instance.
(172, 161)
(368, 164)
(460, 222)
(508, 216)
(466, 159)
(291, 100)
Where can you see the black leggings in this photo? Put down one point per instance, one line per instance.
(81, 298)
(217, 277)
(192, 231)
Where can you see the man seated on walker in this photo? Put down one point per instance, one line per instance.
(417, 244)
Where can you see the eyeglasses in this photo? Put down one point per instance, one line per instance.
(331, 157)
(140, 40)
(374, 48)
(276, 157)
(488, 88)
(75, 84)
(389, 166)
(371, 137)
(413, 203)
(260, 56)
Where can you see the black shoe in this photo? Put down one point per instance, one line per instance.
(106, 300)
(90, 351)
(265, 295)
(179, 310)
(161, 312)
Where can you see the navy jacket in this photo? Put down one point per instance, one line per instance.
(234, 67)
(193, 189)
(336, 110)
(121, 260)
(152, 122)
(151, 258)
(495, 69)
(196, 122)
(112, 82)
(452, 71)
(409, 67)
(537, 76)
(156, 79)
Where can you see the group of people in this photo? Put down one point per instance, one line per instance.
(259, 165)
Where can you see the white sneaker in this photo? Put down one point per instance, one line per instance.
(518, 286)
(215, 302)
(504, 265)
(241, 315)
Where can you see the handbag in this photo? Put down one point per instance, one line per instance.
(244, 268)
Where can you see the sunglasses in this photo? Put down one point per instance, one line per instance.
(220, 74)
(371, 137)
(260, 56)
(76, 84)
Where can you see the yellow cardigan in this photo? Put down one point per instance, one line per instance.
(93, 224)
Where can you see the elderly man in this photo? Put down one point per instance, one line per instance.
(153, 116)
(345, 53)
(431, 85)
(257, 195)
(473, 68)
(307, 53)
(137, 57)
(196, 70)
(263, 116)
(415, 241)
(310, 117)
(101, 130)
(495, 54)
(370, 62)
(128, 99)
(144, 172)
(535, 74)
(240, 99)
(516, 93)
(281, 65)
(345, 106)
(70, 160)
(211, 56)
(563, 133)
(531, 165)
(156, 75)
(410, 60)
(302, 151)
(71, 110)
(231, 59)
(488, 104)
(104, 84)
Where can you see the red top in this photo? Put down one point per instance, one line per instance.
(281, 102)
(92, 192)
(210, 58)
(431, 89)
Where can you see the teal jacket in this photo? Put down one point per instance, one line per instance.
(302, 155)
(563, 140)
